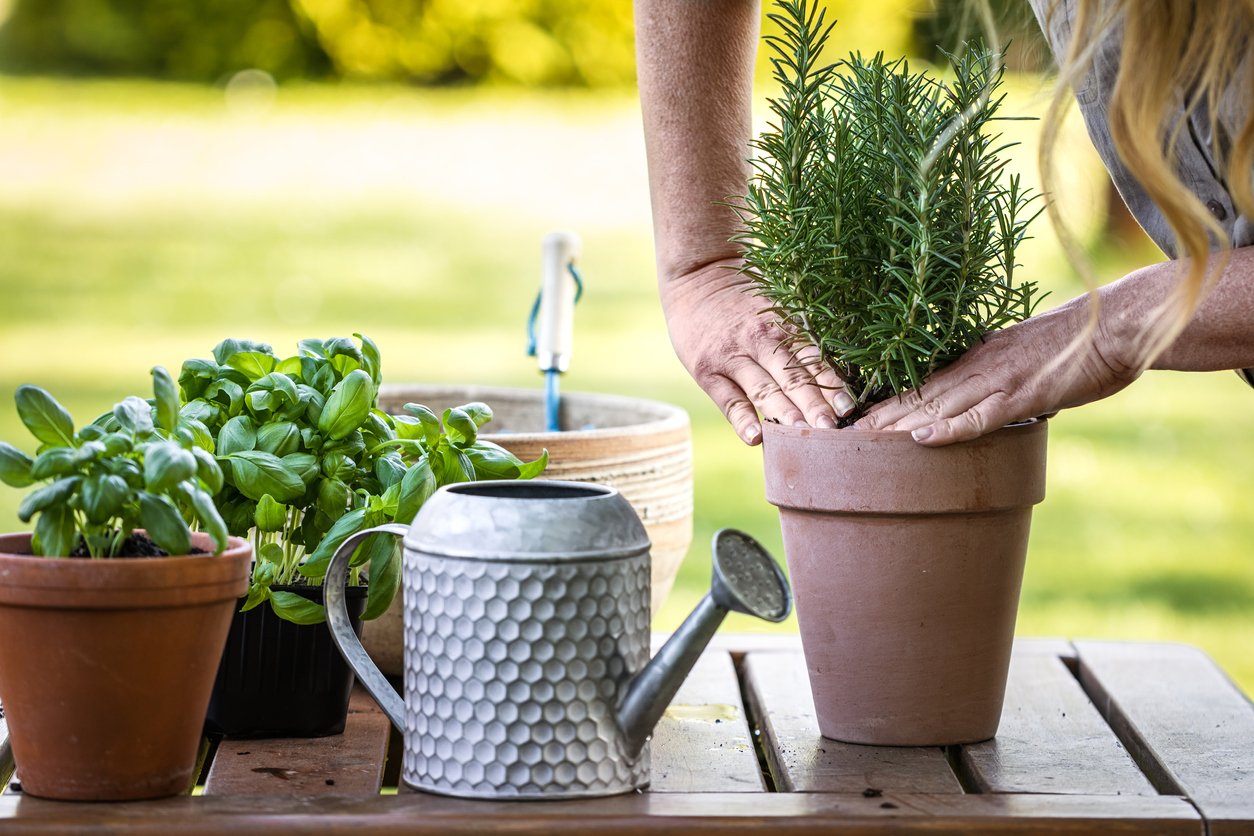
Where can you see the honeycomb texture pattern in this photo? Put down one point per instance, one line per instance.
(514, 672)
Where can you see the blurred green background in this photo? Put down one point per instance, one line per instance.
(176, 172)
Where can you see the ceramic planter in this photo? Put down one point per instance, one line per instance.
(642, 448)
(279, 679)
(106, 666)
(906, 563)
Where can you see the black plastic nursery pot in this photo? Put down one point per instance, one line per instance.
(279, 679)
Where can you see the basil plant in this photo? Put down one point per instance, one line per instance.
(309, 459)
(139, 466)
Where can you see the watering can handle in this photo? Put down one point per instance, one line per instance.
(342, 634)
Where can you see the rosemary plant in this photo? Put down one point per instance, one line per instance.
(879, 222)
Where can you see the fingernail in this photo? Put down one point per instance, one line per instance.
(843, 404)
(922, 434)
(751, 435)
(800, 422)
(825, 422)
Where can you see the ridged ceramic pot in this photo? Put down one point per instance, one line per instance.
(641, 448)
(906, 563)
(106, 666)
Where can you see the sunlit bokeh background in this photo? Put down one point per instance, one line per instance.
(174, 172)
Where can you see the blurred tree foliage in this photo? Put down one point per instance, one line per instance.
(532, 43)
(185, 40)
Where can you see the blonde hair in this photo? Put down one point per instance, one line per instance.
(1174, 56)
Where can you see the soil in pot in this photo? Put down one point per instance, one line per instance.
(279, 679)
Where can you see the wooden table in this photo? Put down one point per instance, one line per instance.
(1096, 737)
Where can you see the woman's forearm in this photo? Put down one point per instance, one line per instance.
(695, 67)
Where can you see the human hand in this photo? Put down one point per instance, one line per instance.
(736, 352)
(1007, 378)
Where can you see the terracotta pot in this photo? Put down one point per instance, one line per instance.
(643, 448)
(106, 666)
(906, 563)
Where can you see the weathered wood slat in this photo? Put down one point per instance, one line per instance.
(703, 743)
(1051, 739)
(418, 814)
(801, 760)
(1183, 720)
(347, 764)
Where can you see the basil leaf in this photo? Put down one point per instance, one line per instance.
(210, 520)
(207, 469)
(256, 474)
(390, 469)
(55, 532)
(304, 465)
(56, 461)
(195, 376)
(348, 406)
(342, 347)
(292, 607)
(279, 438)
(257, 595)
(201, 410)
(253, 364)
(459, 426)
(384, 553)
(134, 414)
(332, 498)
(46, 419)
(227, 393)
(102, 497)
(225, 349)
(270, 515)
(48, 496)
(315, 568)
(167, 397)
(311, 348)
(417, 486)
(166, 464)
(237, 436)
(15, 466)
(532, 469)
(479, 412)
(430, 423)
(164, 524)
(373, 360)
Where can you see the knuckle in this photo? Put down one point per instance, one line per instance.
(764, 391)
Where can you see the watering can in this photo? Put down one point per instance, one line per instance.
(527, 670)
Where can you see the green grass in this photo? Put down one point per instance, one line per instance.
(141, 223)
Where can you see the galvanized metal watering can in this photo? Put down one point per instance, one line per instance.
(527, 670)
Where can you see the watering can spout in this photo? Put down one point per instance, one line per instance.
(746, 579)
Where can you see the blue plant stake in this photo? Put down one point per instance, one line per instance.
(551, 324)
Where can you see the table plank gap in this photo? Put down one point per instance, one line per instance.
(802, 760)
(346, 764)
(1052, 739)
(1190, 729)
(703, 742)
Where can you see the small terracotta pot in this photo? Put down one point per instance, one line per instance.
(906, 563)
(106, 666)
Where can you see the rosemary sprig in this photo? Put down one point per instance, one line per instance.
(879, 222)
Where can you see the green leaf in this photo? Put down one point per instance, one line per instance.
(279, 438)
(256, 474)
(461, 429)
(389, 469)
(258, 594)
(304, 465)
(15, 466)
(210, 520)
(373, 360)
(311, 347)
(417, 486)
(479, 412)
(348, 406)
(315, 568)
(228, 347)
(431, 427)
(164, 524)
(166, 464)
(166, 395)
(237, 436)
(46, 419)
(102, 497)
(385, 556)
(342, 347)
(198, 433)
(253, 364)
(532, 469)
(408, 428)
(55, 532)
(55, 461)
(55, 494)
(292, 607)
(332, 498)
(270, 515)
(226, 393)
(134, 414)
(195, 376)
(202, 411)
(116, 444)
